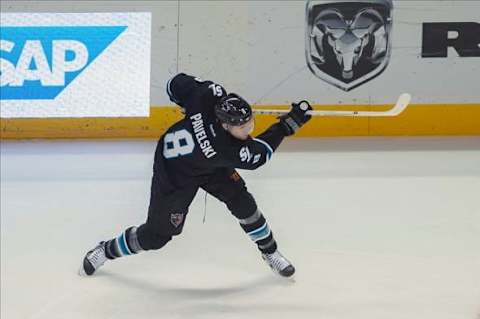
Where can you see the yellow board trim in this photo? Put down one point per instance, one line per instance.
(424, 119)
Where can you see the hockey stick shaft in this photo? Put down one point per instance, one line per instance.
(399, 107)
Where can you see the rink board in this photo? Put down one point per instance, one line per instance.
(263, 51)
(415, 120)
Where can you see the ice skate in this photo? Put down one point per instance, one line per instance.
(279, 264)
(93, 260)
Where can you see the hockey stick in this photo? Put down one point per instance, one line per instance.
(399, 107)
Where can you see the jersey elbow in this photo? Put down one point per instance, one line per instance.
(253, 167)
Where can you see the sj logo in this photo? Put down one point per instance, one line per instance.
(40, 62)
(245, 154)
(348, 41)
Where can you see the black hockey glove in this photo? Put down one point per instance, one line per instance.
(297, 116)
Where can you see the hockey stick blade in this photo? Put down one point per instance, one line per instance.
(398, 108)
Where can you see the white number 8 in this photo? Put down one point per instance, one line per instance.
(178, 143)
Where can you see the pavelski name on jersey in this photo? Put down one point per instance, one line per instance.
(201, 135)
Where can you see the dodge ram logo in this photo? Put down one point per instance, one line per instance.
(348, 42)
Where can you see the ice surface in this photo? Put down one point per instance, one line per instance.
(385, 228)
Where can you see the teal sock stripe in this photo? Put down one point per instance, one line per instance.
(260, 233)
(122, 244)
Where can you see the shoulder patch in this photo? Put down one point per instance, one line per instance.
(256, 158)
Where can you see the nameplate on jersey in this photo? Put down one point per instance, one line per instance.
(201, 136)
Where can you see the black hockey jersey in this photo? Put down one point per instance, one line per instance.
(193, 148)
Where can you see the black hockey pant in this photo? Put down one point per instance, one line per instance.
(169, 208)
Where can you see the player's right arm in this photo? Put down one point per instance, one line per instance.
(191, 92)
(180, 88)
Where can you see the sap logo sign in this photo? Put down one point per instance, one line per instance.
(32, 64)
(40, 62)
(464, 37)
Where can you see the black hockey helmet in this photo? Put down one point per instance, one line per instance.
(233, 110)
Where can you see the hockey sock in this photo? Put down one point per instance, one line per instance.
(124, 245)
(259, 232)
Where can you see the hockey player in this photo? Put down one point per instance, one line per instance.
(202, 151)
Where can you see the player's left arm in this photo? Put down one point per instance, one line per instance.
(256, 151)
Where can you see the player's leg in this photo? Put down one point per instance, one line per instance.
(166, 216)
(229, 187)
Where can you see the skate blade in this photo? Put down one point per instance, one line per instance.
(290, 278)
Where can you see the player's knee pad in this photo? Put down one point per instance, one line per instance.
(242, 205)
(150, 239)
